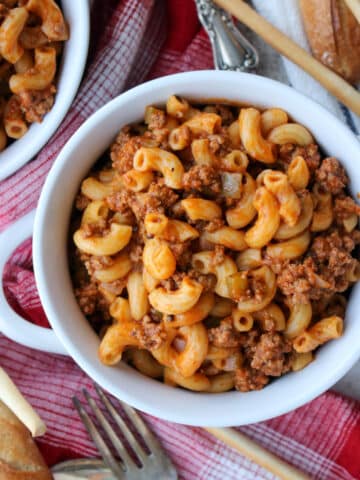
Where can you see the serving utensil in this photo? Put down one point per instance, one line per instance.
(145, 460)
(336, 85)
(154, 462)
(231, 50)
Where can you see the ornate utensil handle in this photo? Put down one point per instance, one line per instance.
(231, 50)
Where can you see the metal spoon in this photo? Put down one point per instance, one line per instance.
(231, 50)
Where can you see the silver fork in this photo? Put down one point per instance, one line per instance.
(154, 465)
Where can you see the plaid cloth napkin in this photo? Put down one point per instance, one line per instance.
(134, 40)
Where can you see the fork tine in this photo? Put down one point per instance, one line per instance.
(99, 442)
(122, 425)
(119, 447)
(150, 440)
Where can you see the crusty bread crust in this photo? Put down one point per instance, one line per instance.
(334, 35)
(20, 458)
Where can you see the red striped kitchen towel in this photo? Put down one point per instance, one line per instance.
(133, 40)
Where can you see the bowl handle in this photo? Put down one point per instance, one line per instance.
(11, 324)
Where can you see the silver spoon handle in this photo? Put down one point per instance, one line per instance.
(231, 50)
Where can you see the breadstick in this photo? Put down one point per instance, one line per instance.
(14, 400)
(354, 6)
(336, 85)
(257, 454)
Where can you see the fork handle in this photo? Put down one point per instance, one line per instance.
(257, 454)
(231, 50)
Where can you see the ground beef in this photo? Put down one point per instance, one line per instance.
(123, 150)
(161, 137)
(256, 290)
(157, 119)
(102, 310)
(225, 112)
(35, 104)
(95, 229)
(340, 263)
(164, 196)
(331, 176)
(204, 179)
(225, 335)
(207, 281)
(219, 143)
(247, 379)
(120, 202)
(322, 245)
(277, 264)
(286, 152)
(344, 207)
(248, 341)
(298, 280)
(324, 271)
(87, 296)
(270, 355)
(174, 282)
(310, 153)
(151, 335)
(136, 252)
(333, 259)
(182, 253)
(97, 263)
(129, 203)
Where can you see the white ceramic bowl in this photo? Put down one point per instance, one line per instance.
(52, 273)
(70, 72)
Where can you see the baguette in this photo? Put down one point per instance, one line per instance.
(20, 458)
(334, 36)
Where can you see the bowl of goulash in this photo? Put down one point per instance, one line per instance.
(202, 265)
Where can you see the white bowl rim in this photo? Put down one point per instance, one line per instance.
(185, 416)
(73, 61)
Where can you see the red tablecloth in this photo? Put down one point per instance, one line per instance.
(134, 40)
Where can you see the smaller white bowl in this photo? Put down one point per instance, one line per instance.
(77, 15)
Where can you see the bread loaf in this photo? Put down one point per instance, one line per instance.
(20, 458)
(334, 35)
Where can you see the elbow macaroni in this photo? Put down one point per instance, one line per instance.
(268, 220)
(177, 301)
(207, 276)
(251, 136)
(31, 39)
(148, 159)
(114, 241)
(278, 184)
(40, 76)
